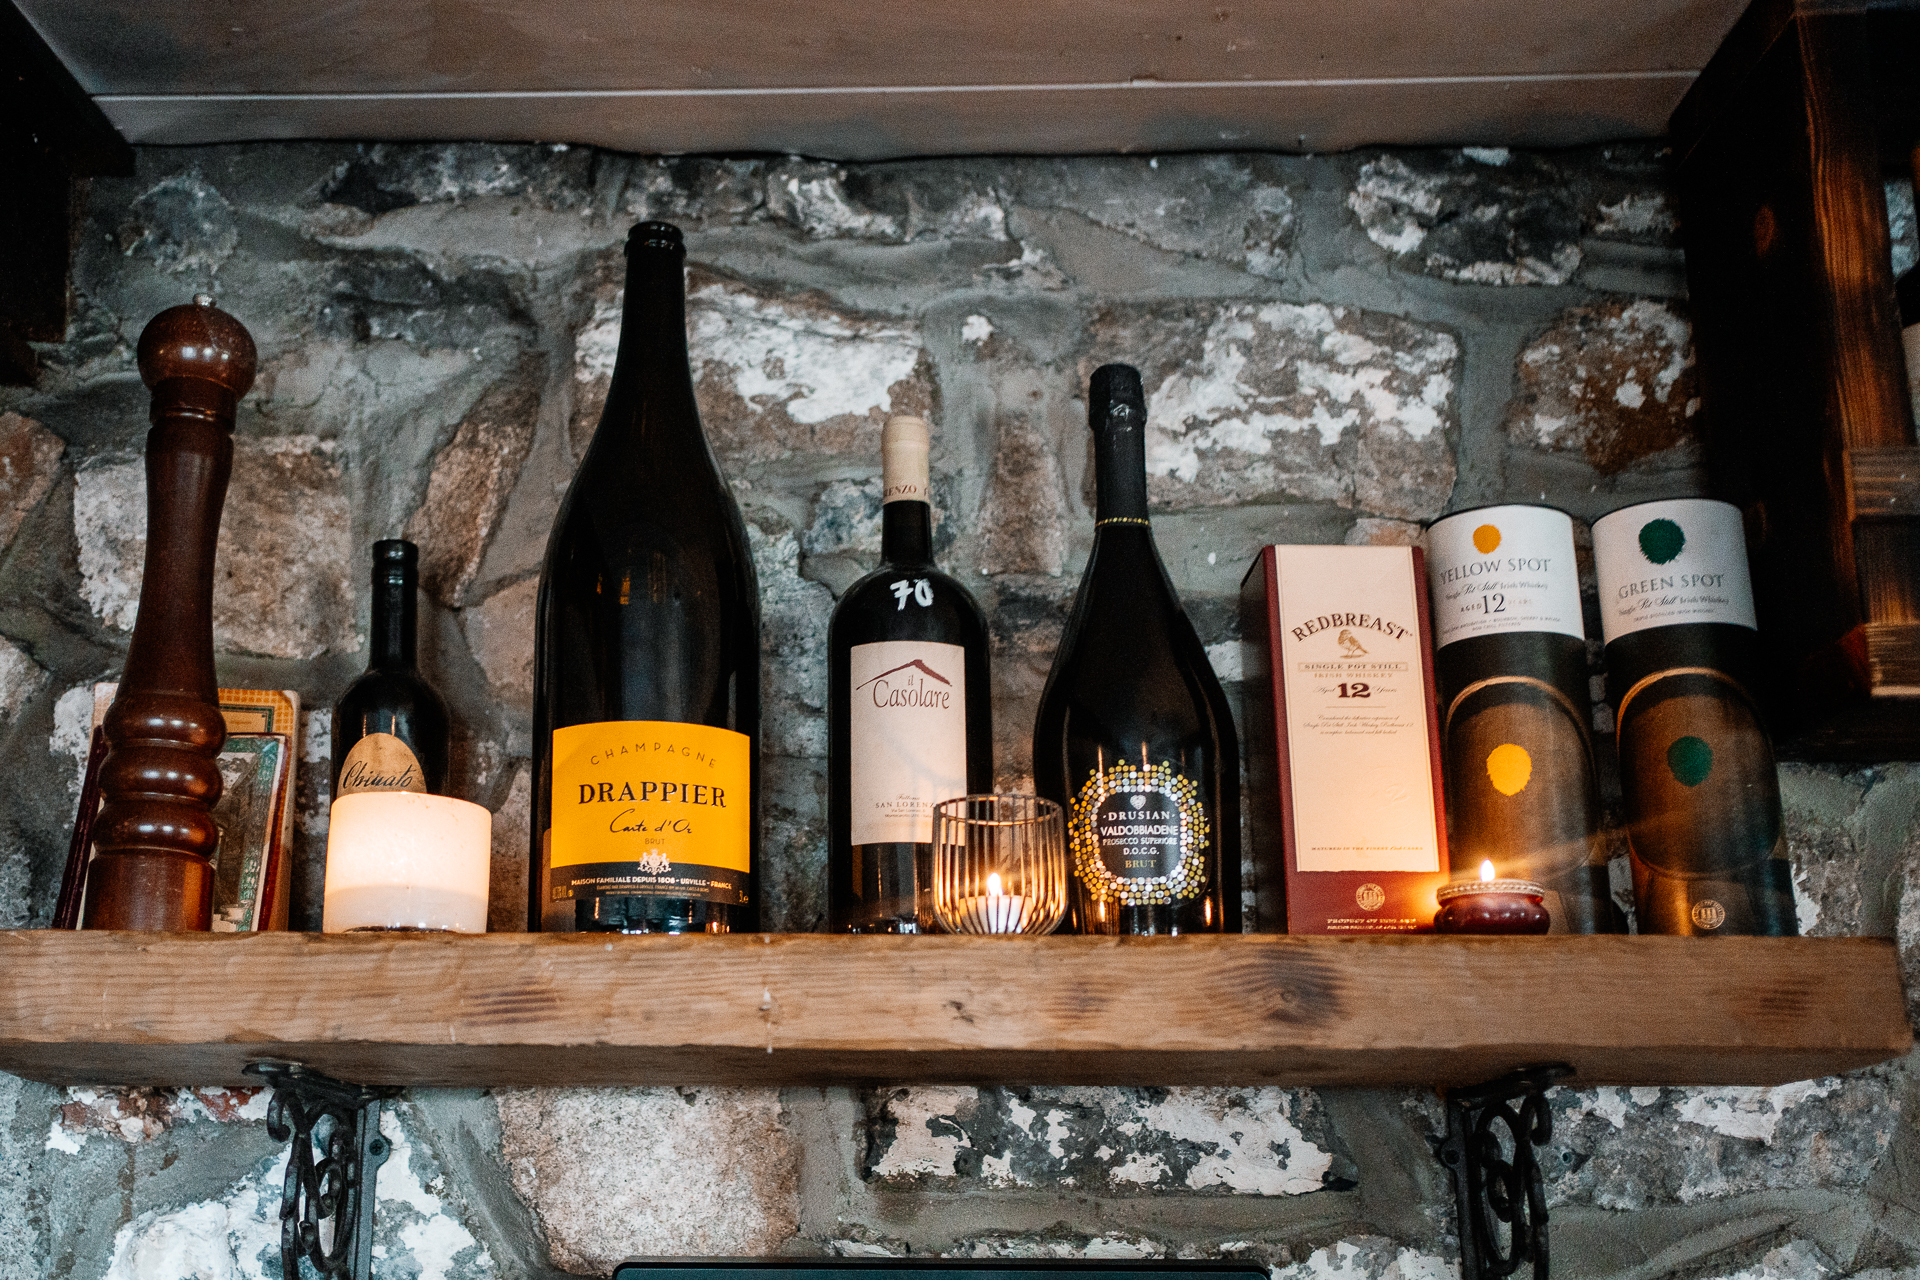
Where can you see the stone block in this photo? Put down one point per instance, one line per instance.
(1794, 1260)
(29, 460)
(794, 614)
(183, 225)
(1266, 402)
(472, 478)
(1490, 215)
(793, 844)
(1369, 1258)
(379, 178)
(235, 1235)
(777, 378)
(1265, 1142)
(1238, 209)
(1024, 621)
(507, 885)
(1060, 1243)
(1022, 526)
(281, 585)
(143, 1114)
(21, 678)
(395, 296)
(499, 634)
(610, 1173)
(695, 191)
(1631, 1148)
(1611, 382)
(1821, 805)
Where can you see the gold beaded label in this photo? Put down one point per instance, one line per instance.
(1139, 836)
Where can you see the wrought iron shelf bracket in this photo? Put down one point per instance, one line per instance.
(1501, 1197)
(327, 1202)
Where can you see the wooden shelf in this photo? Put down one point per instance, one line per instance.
(513, 1009)
(852, 80)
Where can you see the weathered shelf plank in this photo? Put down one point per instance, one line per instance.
(507, 1009)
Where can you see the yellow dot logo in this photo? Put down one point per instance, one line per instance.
(1508, 768)
(1485, 539)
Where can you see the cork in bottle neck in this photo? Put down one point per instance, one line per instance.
(904, 444)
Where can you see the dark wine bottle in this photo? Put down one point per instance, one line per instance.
(390, 726)
(1704, 826)
(1511, 664)
(646, 709)
(1134, 739)
(909, 719)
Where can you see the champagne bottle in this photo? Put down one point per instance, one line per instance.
(646, 713)
(1704, 826)
(390, 726)
(1134, 739)
(1511, 665)
(910, 718)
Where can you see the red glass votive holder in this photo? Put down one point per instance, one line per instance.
(1492, 906)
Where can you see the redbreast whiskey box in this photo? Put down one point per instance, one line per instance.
(1348, 822)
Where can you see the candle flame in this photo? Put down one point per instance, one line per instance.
(993, 883)
(1486, 868)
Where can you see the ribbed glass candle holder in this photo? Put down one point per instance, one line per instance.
(999, 865)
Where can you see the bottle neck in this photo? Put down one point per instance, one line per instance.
(1120, 473)
(395, 620)
(652, 357)
(906, 533)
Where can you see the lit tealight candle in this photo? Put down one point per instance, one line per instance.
(403, 860)
(1492, 905)
(996, 910)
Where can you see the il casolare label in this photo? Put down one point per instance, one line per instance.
(651, 808)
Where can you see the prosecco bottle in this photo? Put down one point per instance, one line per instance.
(390, 727)
(1134, 739)
(1511, 665)
(910, 707)
(646, 712)
(1704, 826)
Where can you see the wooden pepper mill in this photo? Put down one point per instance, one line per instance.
(155, 838)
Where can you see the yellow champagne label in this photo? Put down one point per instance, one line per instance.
(651, 808)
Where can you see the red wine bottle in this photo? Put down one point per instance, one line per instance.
(1134, 738)
(390, 726)
(646, 711)
(910, 719)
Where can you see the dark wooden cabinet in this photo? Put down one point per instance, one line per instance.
(1782, 150)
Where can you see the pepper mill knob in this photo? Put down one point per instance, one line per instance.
(198, 341)
(155, 837)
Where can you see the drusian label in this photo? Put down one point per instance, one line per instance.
(1502, 569)
(651, 808)
(1139, 836)
(1663, 564)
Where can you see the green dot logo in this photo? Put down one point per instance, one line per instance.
(1690, 760)
(1661, 540)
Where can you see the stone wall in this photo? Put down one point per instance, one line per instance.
(1336, 348)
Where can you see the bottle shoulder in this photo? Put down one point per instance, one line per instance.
(1130, 652)
(386, 687)
(905, 602)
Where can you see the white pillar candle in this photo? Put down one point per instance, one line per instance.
(403, 860)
